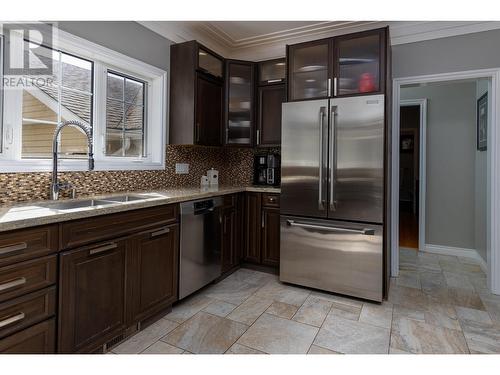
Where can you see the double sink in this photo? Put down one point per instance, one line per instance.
(88, 203)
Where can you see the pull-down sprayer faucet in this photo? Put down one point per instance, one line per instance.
(56, 186)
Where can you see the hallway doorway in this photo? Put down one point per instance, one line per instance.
(409, 178)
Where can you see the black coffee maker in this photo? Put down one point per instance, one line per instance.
(266, 169)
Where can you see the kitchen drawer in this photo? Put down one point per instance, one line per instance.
(270, 200)
(95, 229)
(25, 277)
(39, 339)
(27, 310)
(19, 245)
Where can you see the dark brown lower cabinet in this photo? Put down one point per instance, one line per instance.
(38, 339)
(92, 296)
(253, 222)
(271, 236)
(262, 229)
(152, 268)
(229, 239)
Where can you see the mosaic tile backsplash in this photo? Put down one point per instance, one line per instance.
(235, 166)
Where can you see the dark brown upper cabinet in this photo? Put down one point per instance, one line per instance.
(240, 83)
(196, 95)
(269, 99)
(272, 72)
(346, 65)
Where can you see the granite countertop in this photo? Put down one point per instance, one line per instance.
(30, 214)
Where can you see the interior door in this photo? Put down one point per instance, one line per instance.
(303, 158)
(356, 159)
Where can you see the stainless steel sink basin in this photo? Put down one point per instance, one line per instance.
(71, 205)
(129, 198)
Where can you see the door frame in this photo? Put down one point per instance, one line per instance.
(493, 181)
(422, 103)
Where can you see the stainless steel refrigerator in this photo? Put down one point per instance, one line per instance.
(332, 195)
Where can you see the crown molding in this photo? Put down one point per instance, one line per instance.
(273, 45)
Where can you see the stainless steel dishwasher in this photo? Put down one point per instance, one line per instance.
(200, 252)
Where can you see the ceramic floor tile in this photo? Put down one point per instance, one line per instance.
(254, 278)
(454, 280)
(430, 281)
(280, 292)
(314, 349)
(146, 337)
(481, 337)
(478, 316)
(377, 315)
(404, 312)
(187, 308)
(492, 305)
(345, 311)
(283, 310)
(442, 316)
(220, 308)
(314, 311)
(419, 337)
(350, 337)
(408, 279)
(337, 298)
(248, 312)
(231, 290)
(242, 349)
(206, 333)
(408, 297)
(161, 347)
(275, 335)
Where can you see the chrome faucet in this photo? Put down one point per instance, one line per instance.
(56, 186)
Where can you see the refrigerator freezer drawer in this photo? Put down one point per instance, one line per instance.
(334, 256)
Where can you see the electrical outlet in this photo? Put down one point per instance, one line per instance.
(181, 168)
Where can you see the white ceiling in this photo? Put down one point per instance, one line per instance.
(261, 40)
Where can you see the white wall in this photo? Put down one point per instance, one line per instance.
(481, 165)
(451, 160)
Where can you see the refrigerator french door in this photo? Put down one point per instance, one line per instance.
(332, 195)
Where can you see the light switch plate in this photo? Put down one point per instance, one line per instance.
(181, 168)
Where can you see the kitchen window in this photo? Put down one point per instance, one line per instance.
(122, 99)
(125, 103)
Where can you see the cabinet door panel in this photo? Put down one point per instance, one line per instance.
(270, 100)
(92, 296)
(229, 239)
(308, 70)
(155, 270)
(253, 225)
(359, 63)
(208, 122)
(240, 102)
(271, 237)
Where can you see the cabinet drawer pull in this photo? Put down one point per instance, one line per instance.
(160, 232)
(102, 249)
(11, 284)
(272, 200)
(12, 248)
(13, 319)
(274, 80)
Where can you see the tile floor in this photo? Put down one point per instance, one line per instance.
(439, 304)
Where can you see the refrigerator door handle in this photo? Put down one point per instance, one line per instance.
(333, 157)
(364, 231)
(321, 200)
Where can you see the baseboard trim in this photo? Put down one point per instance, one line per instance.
(457, 251)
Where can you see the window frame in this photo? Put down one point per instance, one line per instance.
(104, 59)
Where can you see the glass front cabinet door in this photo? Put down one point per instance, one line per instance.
(345, 65)
(360, 63)
(240, 102)
(308, 70)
